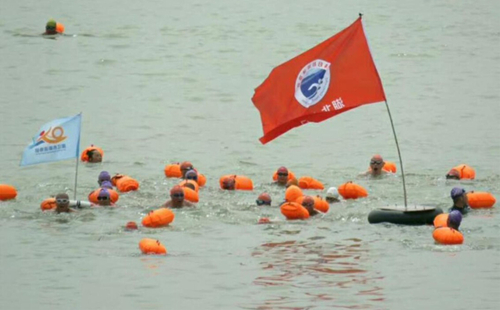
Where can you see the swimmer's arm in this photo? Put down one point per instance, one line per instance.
(188, 204)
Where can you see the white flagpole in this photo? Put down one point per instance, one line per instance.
(77, 157)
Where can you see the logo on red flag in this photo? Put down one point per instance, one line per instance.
(335, 76)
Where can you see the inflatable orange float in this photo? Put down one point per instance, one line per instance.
(48, 204)
(7, 192)
(113, 195)
(85, 156)
(466, 172)
(190, 195)
(389, 167)
(320, 204)
(202, 180)
(152, 246)
(480, 200)
(352, 190)
(293, 193)
(124, 183)
(195, 184)
(131, 226)
(158, 218)
(59, 28)
(441, 220)
(310, 183)
(294, 211)
(173, 171)
(241, 182)
(447, 235)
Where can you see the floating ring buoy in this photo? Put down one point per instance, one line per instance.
(441, 220)
(422, 217)
(292, 193)
(310, 183)
(195, 184)
(158, 218)
(173, 171)
(294, 211)
(241, 182)
(48, 204)
(466, 172)
(190, 195)
(85, 156)
(7, 192)
(447, 235)
(480, 200)
(352, 190)
(113, 195)
(152, 246)
(291, 175)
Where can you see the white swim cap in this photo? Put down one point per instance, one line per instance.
(332, 192)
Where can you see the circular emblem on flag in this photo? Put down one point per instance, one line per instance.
(312, 82)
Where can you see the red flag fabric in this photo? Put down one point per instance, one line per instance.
(331, 78)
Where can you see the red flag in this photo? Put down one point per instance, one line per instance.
(333, 77)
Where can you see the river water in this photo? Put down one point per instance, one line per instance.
(163, 81)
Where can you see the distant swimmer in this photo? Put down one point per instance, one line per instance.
(62, 203)
(52, 27)
(229, 183)
(191, 175)
(264, 199)
(282, 173)
(376, 165)
(332, 195)
(185, 167)
(454, 219)
(460, 202)
(94, 156)
(308, 203)
(453, 174)
(177, 199)
(103, 176)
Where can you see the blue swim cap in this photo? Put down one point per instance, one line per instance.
(455, 218)
(457, 192)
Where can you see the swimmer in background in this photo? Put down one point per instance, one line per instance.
(185, 167)
(103, 176)
(191, 175)
(376, 165)
(308, 203)
(177, 199)
(332, 195)
(62, 203)
(264, 199)
(454, 220)
(51, 27)
(229, 183)
(460, 202)
(94, 156)
(453, 174)
(282, 174)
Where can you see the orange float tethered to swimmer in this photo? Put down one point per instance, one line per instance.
(320, 204)
(390, 167)
(85, 156)
(441, 220)
(195, 184)
(173, 171)
(310, 183)
(290, 175)
(294, 211)
(202, 180)
(466, 172)
(293, 193)
(190, 195)
(59, 28)
(241, 182)
(48, 204)
(447, 235)
(113, 195)
(124, 183)
(158, 218)
(352, 190)
(152, 246)
(7, 192)
(480, 200)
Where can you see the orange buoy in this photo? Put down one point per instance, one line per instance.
(447, 235)
(124, 183)
(113, 196)
(292, 193)
(320, 204)
(291, 175)
(190, 195)
(480, 200)
(389, 167)
(85, 156)
(48, 204)
(195, 184)
(352, 190)
(152, 246)
(264, 220)
(202, 180)
(466, 172)
(173, 171)
(441, 220)
(241, 182)
(310, 183)
(294, 211)
(59, 28)
(131, 226)
(7, 192)
(158, 218)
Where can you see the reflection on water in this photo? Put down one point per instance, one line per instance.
(319, 274)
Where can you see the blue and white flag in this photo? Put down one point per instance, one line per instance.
(57, 140)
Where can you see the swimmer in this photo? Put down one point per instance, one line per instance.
(177, 199)
(94, 156)
(185, 167)
(454, 219)
(376, 165)
(282, 176)
(332, 195)
(50, 27)
(453, 174)
(103, 176)
(103, 199)
(229, 183)
(191, 175)
(308, 203)
(107, 185)
(62, 203)
(264, 199)
(460, 202)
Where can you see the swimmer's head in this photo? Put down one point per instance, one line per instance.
(177, 194)
(62, 202)
(103, 198)
(308, 203)
(94, 156)
(185, 167)
(107, 185)
(376, 163)
(332, 194)
(453, 174)
(228, 183)
(457, 193)
(191, 175)
(263, 199)
(282, 174)
(454, 219)
(131, 226)
(103, 176)
(50, 27)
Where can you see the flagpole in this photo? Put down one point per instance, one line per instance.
(76, 176)
(77, 157)
(399, 153)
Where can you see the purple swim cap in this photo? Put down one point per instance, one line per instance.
(104, 176)
(455, 218)
(107, 185)
(191, 175)
(103, 193)
(457, 192)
